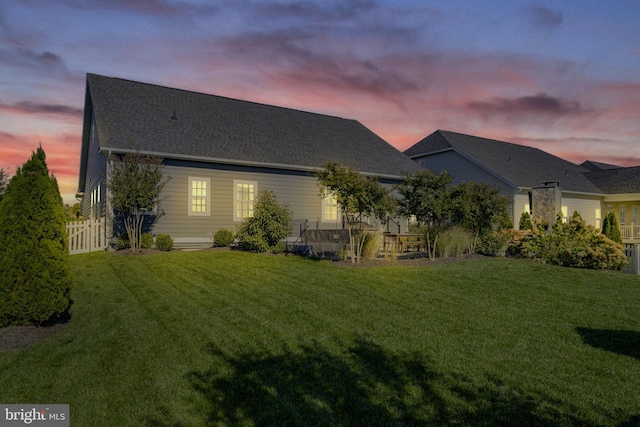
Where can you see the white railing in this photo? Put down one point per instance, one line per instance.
(630, 232)
(87, 236)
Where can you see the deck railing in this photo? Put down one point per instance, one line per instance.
(630, 232)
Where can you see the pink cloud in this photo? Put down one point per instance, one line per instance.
(63, 157)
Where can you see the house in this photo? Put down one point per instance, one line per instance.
(219, 152)
(622, 196)
(528, 176)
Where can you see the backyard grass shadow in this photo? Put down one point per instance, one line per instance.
(362, 384)
(626, 343)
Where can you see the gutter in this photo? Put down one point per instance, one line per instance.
(283, 166)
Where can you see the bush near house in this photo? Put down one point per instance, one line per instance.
(146, 240)
(34, 278)
(268, 225)
(164, 242)
(574, 244)
(223, 238)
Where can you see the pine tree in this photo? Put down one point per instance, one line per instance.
(34, 264)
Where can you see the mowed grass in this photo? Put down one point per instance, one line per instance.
(227, 338)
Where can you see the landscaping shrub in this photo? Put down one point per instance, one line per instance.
(279, 248)
(146, 240)
(453, 242)
(123, 241)
(525, 222)
(495, 242)
(370, 245)
(34, 256)
(268, 225)
(164, 242)
(574, 244)
(223, 238)
(611, 228)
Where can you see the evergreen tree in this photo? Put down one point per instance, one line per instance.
(34, 264)
(611, 229)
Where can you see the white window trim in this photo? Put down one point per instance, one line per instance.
(235, 195)
(322, 211)
(207, 211)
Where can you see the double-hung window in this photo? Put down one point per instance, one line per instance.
(244, 196)
(199, 195)
(329, 207)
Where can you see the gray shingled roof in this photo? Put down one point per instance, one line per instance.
(598, 166)
(518, 165)
(617, 181)
(182, 124)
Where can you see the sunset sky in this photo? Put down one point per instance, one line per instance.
(563, 76)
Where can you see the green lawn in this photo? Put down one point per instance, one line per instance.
(226, 338)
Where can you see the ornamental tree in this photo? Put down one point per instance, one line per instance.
(134, 184)
(34, 273)
(426, 196)
(479, 207)
(357, 196)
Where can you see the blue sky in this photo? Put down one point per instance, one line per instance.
(563, 76)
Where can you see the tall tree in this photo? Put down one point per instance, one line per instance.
(479, 207)
(135, 183)
(425, 195)
(3, 182)
(34, 273)
(357, 196)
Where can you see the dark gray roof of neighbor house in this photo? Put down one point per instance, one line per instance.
(188, 125)
(518, 165)
(617, 181)
(598, 166)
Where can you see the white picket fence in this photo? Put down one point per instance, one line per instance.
(633, 255)
(87, 236)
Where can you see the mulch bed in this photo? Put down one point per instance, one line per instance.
(14, 337)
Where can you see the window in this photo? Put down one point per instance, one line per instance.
(598, 218)
(634, 215)
(199, 189)
(623, 214)
(565, 214)
(244, 195)
(329, 207)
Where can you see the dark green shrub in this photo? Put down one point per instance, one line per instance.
(279, 248)
(123, 241)
(223, 238)
(164, 242)
(34, 256)
(494, 243)
(146, 240)
(611, 228)
(525, 221)
(268, 225)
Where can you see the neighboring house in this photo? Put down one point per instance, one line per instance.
(219, 152)
(527, 175)
(622, 188)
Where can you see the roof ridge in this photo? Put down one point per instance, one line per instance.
(195, 92)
